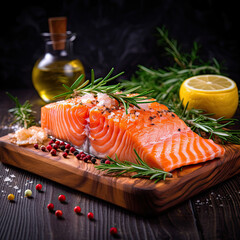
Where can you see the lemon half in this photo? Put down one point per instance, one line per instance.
(212, 93)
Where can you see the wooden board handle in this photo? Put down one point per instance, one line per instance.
(58, 28)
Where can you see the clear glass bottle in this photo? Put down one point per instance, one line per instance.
(56, 67)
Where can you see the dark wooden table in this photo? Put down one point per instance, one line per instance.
(213, 214)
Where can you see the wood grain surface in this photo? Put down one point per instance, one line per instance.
(211, 214)
(141, 196)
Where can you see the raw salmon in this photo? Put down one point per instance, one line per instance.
(104, 129)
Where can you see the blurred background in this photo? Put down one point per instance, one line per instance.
(117, 33)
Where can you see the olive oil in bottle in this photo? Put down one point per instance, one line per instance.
(48, 79)
(58, 65)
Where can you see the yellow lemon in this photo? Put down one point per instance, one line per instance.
(212, 93)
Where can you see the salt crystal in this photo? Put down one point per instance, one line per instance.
(12, 176)
(7, 179)
(19, 190)
(16, 187)
(7, 169)
(88, 98)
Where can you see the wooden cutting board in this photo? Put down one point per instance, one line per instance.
(141, 196)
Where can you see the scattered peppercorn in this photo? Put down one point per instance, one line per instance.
(39, 187)
(113, 231)
(64, 154)
(57, 142)
(78, 156)
(179, 129)
(43, 148)
(62, 147)
(83, 155)
(67, 151)
(62, 198)
(49, 148)
(90, 215)
(11, 197)
(68, 146)
(53, 152)
(103, 160)
(28, 193)
(72, 149)
(85, 159)
(50, 207)
(93, 160)
(58, 213)
(35, 146)
(62, 143)
(75, 153)
(51, 142)
(55, 146)
(107, 162)
(77, 209)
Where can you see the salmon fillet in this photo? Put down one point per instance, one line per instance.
(158, 135)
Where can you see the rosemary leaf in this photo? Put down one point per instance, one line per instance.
(141, 169)
(81, 87)
(23, 114)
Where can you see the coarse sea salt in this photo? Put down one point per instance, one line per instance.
(7, 179)
(105, 100)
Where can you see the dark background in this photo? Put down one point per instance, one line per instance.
(119, 34)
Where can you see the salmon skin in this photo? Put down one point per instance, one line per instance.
(102, 128)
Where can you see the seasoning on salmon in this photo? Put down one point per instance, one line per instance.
(158, 135)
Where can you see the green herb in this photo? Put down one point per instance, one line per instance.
(23, 114)
(141, 169)
(166, 83)
(206, 126)
(95, 86)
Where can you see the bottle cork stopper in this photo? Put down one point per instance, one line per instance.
(58, 29)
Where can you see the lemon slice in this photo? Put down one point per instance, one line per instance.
(212, 93)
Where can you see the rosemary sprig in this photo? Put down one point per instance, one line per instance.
(23, 113)
(204, 124)
(141, 169)
(95, 86)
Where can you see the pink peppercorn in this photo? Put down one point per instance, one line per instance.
(55, 146)
(64, 154)
(50, 207)
(53, 152)
(62, 198)
(62, 143)
(77, 209)
(49, 148)
(35, 146)
(113, 231)
(39, 187)
(58, 213)
(68, 146)
(57, 142)
(51, 142)
(107, 162)
(43, 148)
(72, 149)
(90, 215)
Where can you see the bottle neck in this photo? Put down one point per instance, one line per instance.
(59, 46)
(67, 51)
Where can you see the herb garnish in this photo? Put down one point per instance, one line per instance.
(23, 113)
(141, 169)
(81, 87)
(167, 81)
